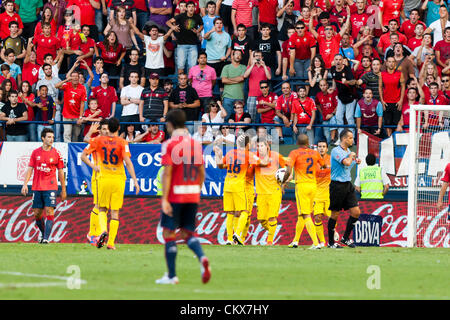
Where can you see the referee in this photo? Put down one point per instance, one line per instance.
(342, 191)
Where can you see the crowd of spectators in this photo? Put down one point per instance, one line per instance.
(295, 63)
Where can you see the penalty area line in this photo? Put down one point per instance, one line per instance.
(38, 284)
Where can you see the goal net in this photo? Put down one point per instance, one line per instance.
(429, 154)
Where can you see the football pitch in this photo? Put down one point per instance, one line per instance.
(33, 271)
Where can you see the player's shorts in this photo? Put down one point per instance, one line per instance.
(391, 115)
(110, 193)
(342, 196)
(250, 192)
(321, 207)
(234, 201)
(305, 193)
(183, 217)
(42, 199)
(268, 205)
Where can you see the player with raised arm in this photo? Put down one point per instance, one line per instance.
(45, 161)
(304, 163)
(444, 187)
(100, 128)
(342, 190)
(113, 151)
(236, 162)
(182, 180)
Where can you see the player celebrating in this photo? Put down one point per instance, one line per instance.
(235, 201)
(44, 161)
(110, 171)
(304, 162)
(94, 228)
(445, 183)
(267, 188)
(342, 191)
(182, 180)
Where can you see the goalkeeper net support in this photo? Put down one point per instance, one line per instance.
(429, 153)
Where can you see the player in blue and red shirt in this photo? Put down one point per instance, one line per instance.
(182, 181)
(445, 183)
(45, 161)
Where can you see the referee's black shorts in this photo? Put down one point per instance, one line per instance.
(342, 196)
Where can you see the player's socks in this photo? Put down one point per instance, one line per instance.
(311, 230)
(195, 246)
(93, 226)
(319, 231)
(245, 230)
(265, 224)
(272, 228)
(103, 221)
(331, 227)
(235, 223)
(113, 229)
(171, 255)
(48, 227)
(349, 228)
(229, 224)
(40, 225)
(241, 224)
(299, 228)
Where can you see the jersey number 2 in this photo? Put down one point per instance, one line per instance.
(310, 163)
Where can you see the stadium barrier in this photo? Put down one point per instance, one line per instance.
(139, 219)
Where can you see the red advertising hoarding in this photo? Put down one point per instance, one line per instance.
(140, 216)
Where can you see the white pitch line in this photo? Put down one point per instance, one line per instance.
(33, 275)
(32, 285)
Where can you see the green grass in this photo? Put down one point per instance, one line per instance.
(237, 273)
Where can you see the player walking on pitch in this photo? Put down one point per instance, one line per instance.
(445, 183)
(304, 162)
(44, 161)
(113, 152)
(182, 180)
(342, 190)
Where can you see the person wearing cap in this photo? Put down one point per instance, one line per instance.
(154, 101)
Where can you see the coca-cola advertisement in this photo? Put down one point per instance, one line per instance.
(139, 219)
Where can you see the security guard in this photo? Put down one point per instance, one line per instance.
(371, 181)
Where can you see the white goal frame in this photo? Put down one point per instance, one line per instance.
(413, 150)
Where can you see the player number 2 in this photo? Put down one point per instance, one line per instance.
(310, 163)
(113, 158)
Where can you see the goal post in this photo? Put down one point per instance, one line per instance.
(429, 153)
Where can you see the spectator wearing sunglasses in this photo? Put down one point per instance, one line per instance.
(302, 48)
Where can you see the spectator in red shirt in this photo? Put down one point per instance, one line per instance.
(30, 70)
(302, 46)
(86, 14)
(304, 110)
(329, 43)
(358, 19)
(46, 43)
(432, 118)
(416, 41)
(385, 39)
(326, 102)
(338, 12)
(442, 49)
(106, 97)
(284, 108)
(74, 99)
(242, 12)
(6, 75)
(305, 16)
(152, 135)
(47, 16)
(268, 14)
(408, 26)
(112, 53)
(8, 16)
(91, 114)
(266, 103)
(390, 10)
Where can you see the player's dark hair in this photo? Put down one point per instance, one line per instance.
(434, 84)
(393, 20)
(416, 10)
(241, 25)
(5, 67)
(323, 141)
(203, 53)
(13, 92)
(48, 55)
(265, 25)
(42, 86)
(210, 3)
(45, 131)
(45, 65)
(344, 133)
(113, 125)
(176, 117)
(370, 159)
(103, 122)
(190, 3)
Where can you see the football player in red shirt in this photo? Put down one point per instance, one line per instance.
(182, 180)
(45, 161)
